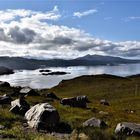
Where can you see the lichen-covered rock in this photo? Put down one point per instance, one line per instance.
(93, 122)
(42, 116)
(19, 106)
(127, 128)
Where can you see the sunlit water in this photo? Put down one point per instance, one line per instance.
(34, 79)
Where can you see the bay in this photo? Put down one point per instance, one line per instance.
(34, 79)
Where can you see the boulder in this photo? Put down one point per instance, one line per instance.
(78, 101)
(93, 122)
(5, 70)
(19, 106)
(27, 91)
(104, 102)
(52, 95)
(5, 99)
(127, 128)
(4, 84)
(42, 116)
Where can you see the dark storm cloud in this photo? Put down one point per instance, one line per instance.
(62, 40)
(21, 36)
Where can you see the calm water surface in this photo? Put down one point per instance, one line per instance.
(34, 79)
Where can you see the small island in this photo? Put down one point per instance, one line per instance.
(56, 73)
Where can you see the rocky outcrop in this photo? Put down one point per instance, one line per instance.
(42, 117)
(4, 84)
(93, 122)
(27, 91)
(78, 101)
(5, 99)
(5, 70)
(127, 128)
(19, 106)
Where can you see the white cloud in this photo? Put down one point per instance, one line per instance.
(30, 35)
(85, 13)
(132, 18)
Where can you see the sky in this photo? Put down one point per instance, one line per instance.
(46, 29)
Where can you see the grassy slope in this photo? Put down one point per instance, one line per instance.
(123, 95)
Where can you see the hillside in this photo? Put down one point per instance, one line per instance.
(88, 60)
(123, 95)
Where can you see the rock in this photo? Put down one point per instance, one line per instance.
(27, 91)
(93, 122)
(104, 102)
(52, 95)
(42, 116)
(4, 84)
(78, 101)
(2, 127)
(103, 113)
(5, 70)
(19, 106)
(5, 99)
(128, 128)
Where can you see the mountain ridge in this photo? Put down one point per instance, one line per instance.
(87, 60)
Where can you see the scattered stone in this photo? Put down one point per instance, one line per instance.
(103, 113)
(76, 135)
(128, 128)
(19, 106)
(27, 91)
(5, 70)
(93, 122)
(2, 127)
(42, 117)
(4, 84)
(53, 96)
(78, 101)
(104, 102)
(5, 99)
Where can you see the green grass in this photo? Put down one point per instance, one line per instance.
(123, 95)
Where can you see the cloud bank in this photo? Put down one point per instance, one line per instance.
(28, 33)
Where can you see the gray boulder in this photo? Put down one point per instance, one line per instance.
(4, 84)
(104, 102)
(19, 106)
(42, 116)
(93, 122)
(78, 101)
(27, 91)
(127, 128)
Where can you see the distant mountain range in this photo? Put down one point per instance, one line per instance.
(88, 60)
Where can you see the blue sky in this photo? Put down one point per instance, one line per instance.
(110, 22)
(110, 27)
